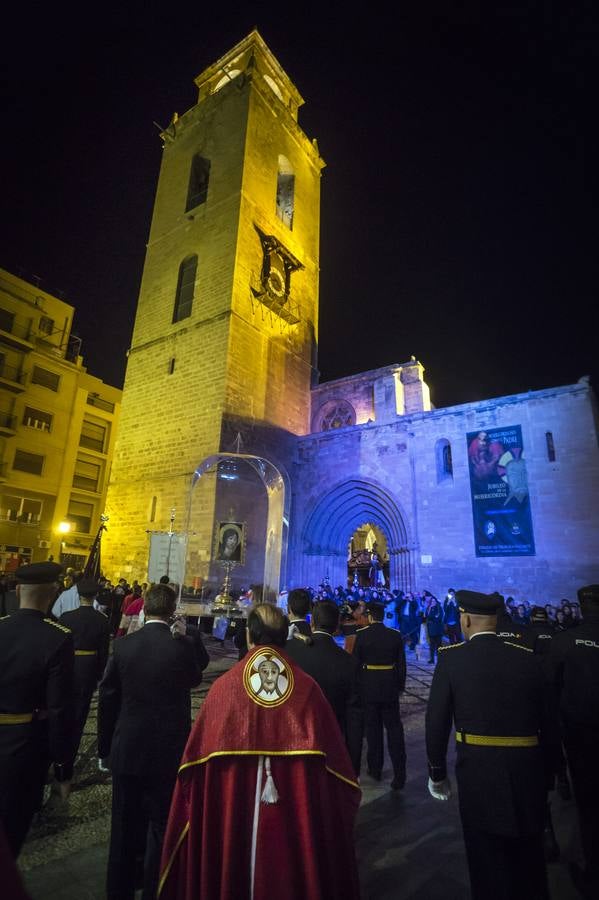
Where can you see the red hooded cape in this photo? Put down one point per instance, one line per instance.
(222, 839)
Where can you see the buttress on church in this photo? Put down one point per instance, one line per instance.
(225, 429)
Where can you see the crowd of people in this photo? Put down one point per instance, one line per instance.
(272, 766)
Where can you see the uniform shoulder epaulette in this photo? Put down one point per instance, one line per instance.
(451, 646)
(58, 625)
(4, 617)
(362, 628)
(519, 646)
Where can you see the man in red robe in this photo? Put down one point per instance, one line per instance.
(266, 796)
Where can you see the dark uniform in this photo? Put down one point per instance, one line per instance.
(494, 692)
(36, 683)
(507, 630)
(572, 666)
(91, 636)
(381, 655)
(336, 672)
(144, 720)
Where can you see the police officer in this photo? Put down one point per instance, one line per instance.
(539, 633)
(36, 681)
(381, 655)
(91, 637)
(573, 668)
(495, 694)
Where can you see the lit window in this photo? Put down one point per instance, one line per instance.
(185, 288)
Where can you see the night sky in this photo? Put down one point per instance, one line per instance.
(459, 202)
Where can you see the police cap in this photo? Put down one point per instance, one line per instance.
(87, 587)
(376, 610)
(479, 604)
(39, 573)
(589, 594)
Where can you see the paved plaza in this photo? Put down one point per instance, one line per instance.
(409, 847)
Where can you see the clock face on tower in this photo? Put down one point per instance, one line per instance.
(277, 280)
(274, 286)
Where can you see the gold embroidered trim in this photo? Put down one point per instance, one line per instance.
(217, 753)
(169, 864)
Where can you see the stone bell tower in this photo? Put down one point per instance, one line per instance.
(226, 322)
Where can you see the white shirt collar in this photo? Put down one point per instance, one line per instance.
(478, 634)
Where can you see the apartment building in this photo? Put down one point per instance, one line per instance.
(57, 431)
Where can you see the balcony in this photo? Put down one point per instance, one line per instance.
(15, 332)
(96, 400)
(11, 378)
(8, 424)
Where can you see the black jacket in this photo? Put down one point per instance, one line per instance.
(491, 688)
(91, 635)
(336, 672)
(572, 666)
(144, 709)
(36, 676)
(376, 645)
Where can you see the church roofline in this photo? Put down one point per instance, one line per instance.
(370, 375)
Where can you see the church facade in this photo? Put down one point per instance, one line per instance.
(225, 429)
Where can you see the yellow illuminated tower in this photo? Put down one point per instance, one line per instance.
(226, 324)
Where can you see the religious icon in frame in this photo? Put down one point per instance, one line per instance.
(230, 542)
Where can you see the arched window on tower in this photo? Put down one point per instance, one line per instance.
(285, 191)
(197, 190)
(185, 288)
(444, 460)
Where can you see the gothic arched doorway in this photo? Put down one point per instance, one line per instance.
(340, 514)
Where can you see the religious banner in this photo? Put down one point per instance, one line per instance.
(230, 542)
(499, 490)
(167, 556)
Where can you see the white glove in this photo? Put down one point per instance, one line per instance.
(440, 790)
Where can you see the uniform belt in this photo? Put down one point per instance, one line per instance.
(484, 740)
(380, 668)
(20, 718)
(86, 652)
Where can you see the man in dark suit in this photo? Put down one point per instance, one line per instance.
(144, 719)
(36, 708)
(495, 694)
(335, 672)
(381, 655)
(573, 669)
(298, 606)
(91, 636)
